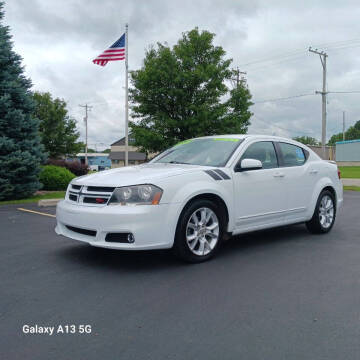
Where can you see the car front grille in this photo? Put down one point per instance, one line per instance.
(90, 195)
(95, 200)
(101, 189)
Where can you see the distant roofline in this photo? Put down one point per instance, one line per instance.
(123, 138)
(117, 141)
(92, 154)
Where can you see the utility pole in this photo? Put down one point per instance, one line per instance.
(343, 125)
(237, 80)
(87, 109)
(323, 93)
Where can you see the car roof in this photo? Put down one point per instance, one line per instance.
(265, 138)
(247, 136)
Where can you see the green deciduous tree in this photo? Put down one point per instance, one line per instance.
(352, 133)
(307, 140)
(20, 149)
(57, 129)
(181, 93)
(82, 147)
(335, 138)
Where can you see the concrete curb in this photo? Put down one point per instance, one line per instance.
(351, 182)
(48, 202)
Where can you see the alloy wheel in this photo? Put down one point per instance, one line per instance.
(202, 231)
(326, 211)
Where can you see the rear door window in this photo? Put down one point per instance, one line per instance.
(292, 155)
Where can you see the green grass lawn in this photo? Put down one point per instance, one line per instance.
(352, 188)
(350, 172)
(34, 199)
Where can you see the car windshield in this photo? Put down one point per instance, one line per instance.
(206, 152)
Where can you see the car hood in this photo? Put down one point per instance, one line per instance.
(133, 175)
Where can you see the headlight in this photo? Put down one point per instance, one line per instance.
(136, 195)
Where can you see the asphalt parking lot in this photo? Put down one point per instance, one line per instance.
(277, 294)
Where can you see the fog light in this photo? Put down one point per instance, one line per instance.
(130, 238)
(124, 238)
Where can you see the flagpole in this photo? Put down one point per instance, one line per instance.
(126, 98)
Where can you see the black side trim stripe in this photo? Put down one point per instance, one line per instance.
(213, 174)
(222, 174)
(217, 174)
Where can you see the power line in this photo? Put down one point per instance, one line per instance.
(282, 128)
(336, 43)
(103, 102)
(334, 48)
(276, 63)
(283, 98)
(296, 53)
(308, 94)
(278, 57)
(344, 92)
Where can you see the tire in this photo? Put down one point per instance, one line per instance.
(204, 245)
(324, 215)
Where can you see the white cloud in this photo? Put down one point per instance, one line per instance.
(58, 40)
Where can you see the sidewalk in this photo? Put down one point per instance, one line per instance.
(351, 182)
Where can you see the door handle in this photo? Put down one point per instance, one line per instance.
(313, 171)
(279, 175)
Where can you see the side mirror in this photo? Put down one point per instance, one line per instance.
(248, 164)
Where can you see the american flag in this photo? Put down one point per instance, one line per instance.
(115, 52)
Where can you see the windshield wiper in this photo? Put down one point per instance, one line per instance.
(178, 162)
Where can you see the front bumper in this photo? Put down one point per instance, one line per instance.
(153, 226)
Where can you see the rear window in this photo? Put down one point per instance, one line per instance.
(292, 155)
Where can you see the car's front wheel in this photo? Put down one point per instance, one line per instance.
(324, 214)
(199, 231)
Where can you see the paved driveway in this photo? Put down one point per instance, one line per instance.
(351, 182)
(279, 294)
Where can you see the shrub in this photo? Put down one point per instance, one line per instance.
(55, 177)
(76, 167)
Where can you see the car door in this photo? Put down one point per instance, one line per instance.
(299, 179)
(259, 198)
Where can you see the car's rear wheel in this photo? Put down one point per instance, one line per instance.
(324, 214)
(199, 231)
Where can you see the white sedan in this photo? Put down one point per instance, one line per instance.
(192, 196)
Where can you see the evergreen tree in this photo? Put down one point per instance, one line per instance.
(20, 150)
